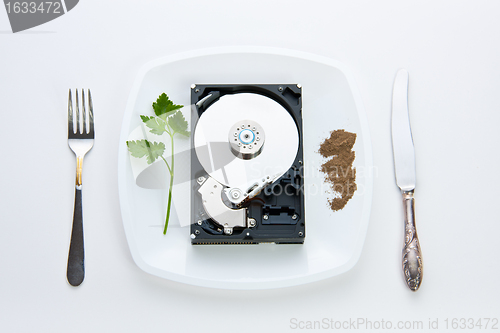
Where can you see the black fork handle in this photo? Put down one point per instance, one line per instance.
(76, 257)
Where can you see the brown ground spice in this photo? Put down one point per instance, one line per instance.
(338, 169)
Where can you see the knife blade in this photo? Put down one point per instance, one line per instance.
(404, 166)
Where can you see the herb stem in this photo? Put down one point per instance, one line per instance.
(171, 183)
(169, 205)
(168, 166)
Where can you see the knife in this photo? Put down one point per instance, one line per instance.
(404, 165)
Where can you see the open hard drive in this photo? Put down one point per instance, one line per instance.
(247, 164)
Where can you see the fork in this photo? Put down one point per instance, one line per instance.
(80, 140)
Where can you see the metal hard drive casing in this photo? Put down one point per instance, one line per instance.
(276, 214)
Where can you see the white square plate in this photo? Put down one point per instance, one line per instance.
(333, 240)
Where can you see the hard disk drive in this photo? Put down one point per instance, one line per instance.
(247, 164)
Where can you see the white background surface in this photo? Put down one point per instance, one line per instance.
(451, 51)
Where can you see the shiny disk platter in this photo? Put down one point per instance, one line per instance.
(269, 149)
(247, 163)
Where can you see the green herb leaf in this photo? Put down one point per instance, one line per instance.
(178, 124)
(169, 119)
(156, 124)
(141, 148)
(164, 107)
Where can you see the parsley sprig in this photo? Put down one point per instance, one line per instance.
(167, 119)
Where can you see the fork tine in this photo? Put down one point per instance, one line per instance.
(71, 129)
(91, 114)
(77, 114)
(84, 113)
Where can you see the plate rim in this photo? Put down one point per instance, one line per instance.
(255, 285)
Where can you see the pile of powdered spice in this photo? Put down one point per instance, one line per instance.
(338, 169)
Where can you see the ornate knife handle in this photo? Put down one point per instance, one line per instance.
(412, 257)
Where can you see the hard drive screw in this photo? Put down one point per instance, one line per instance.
(235, 133)
(199, 222)
(265, 217)
(193, 86)
(252, 223)
(197, 232)
(200, 180)
(280, 88)
(294, 216)
(301, 233)
(197, 90)
(235, 193)
(193, 236)
(299, 85)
